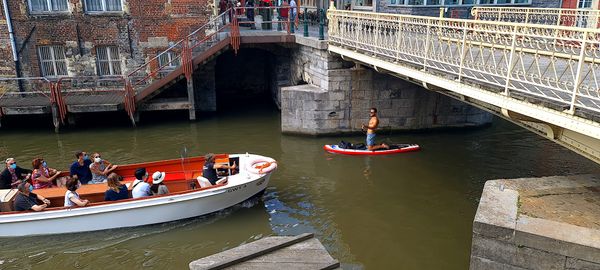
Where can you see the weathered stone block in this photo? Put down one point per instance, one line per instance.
(497, 212)
(482, 263)
(558, 237)
(573, 264)
(511, 254)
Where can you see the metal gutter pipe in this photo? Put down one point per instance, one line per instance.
(12, 42)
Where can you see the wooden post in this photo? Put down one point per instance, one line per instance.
(190, 90)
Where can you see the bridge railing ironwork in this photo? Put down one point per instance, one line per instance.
(550, 16)
(556, 66)
(308, 21)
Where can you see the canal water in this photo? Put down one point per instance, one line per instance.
(406, 211)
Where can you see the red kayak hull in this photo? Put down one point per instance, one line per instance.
(353, 152)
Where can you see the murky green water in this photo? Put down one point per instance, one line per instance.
(407, 211)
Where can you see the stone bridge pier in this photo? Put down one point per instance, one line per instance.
(328, 95)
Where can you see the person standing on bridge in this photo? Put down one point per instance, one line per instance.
(371, 127)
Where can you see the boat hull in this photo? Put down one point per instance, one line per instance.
(354, 152)
(138, 212)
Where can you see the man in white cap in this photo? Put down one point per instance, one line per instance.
(158, 187)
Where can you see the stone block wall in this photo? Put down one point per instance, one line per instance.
(557, 234)
(334, 96)
(140, 30)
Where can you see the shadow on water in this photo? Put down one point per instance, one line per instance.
(144, 246)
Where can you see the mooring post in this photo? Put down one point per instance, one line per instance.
(55, 117)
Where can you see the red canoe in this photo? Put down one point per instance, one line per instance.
(395, 149)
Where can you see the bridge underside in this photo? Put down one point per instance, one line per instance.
(570, 131)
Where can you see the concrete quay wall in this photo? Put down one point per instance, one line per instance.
(544, 223)
(329, 95)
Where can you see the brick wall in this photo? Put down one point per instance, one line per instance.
(139, 31)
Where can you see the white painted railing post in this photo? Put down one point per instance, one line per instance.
(578, 75)
(427, 41)
(377, 29)
(511, 61)
(463, 52)
(399, 39)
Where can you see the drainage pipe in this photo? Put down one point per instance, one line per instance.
(13, 43)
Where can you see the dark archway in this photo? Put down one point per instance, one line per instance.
(248, 78)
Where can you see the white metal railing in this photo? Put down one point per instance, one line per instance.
(549, 16)
(555, 65)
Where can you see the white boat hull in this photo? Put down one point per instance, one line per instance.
(137, 212)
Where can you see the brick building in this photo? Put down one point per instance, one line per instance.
(93, 37)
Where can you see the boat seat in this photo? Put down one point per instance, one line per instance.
(168, 176)
(203, 182)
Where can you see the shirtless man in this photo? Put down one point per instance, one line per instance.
(373, 123)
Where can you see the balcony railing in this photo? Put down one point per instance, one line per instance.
(548, 16)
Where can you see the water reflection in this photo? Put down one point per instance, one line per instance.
(146, 246)
(405, 211)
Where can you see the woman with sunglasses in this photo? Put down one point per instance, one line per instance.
(100, 169)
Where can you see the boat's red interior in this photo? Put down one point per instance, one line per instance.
(95, 193)
(177, 180)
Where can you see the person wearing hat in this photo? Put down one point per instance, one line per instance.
(9, 178)
(139, 187)
(158, 187)
(209, 170)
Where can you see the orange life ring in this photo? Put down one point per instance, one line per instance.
(261, 165)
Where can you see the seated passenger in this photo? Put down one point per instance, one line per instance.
(116, 191)
(27, 200)
(44, 177)
(100, 169)
(139, 187)
(81, 167)
(9, 178)
(209, 170)
(158, 187)
(71, 197)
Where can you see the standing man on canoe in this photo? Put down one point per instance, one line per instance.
(371, 127)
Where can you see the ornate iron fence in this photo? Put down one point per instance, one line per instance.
(557, 66)
(549, 16)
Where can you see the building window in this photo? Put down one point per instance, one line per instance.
(584, 4)
(47, 5)
(168, 60)
(53, 61)
(103, 5)
(109, 62)
(363, 3)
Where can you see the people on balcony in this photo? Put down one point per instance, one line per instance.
(100, 169)
(284, 11)
(12, 174)
(81, 167)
